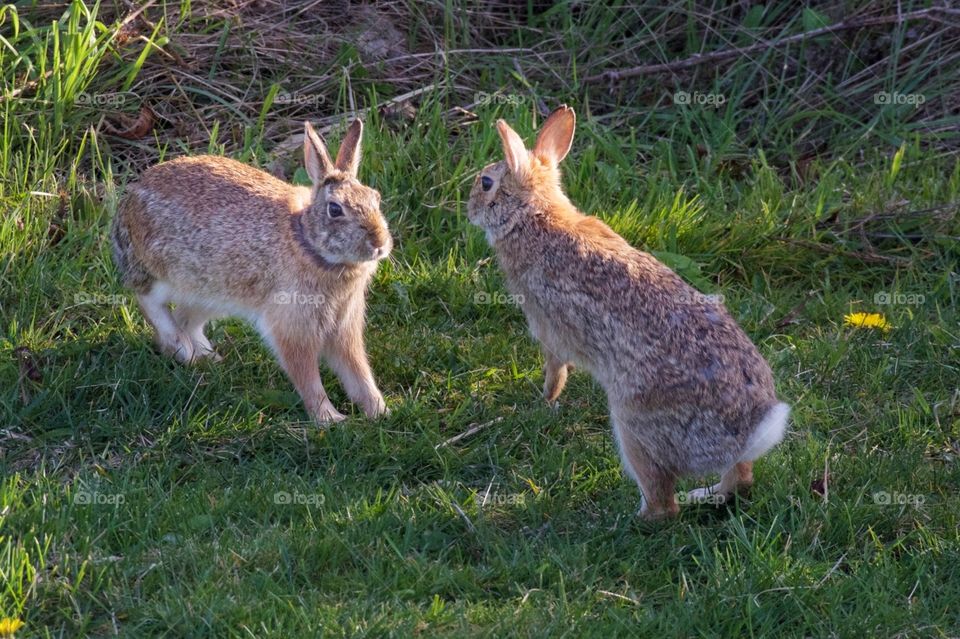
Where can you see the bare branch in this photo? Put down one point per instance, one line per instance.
(932, 13)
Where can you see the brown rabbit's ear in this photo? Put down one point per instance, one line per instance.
(348, 157)
(516, 153)
(556, 136)
(315, 156)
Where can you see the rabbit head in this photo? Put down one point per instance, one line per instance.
(343, 222)
(526, 182)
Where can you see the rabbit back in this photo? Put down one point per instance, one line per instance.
(676, 367)
(211, 227)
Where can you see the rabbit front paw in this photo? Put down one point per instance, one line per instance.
(555, 378)
(375, 407)
(327, 414)
(177, 346)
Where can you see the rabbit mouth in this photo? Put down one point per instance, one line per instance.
(378, 248)
(472, 210)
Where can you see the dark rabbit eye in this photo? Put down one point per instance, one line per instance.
(334, 209)
(486, 183)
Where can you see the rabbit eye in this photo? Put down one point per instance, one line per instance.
(486, 183)
(334, 209)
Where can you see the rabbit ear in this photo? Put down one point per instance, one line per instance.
(516, 154)
(348, 157)
(315, 156)
(556, 136)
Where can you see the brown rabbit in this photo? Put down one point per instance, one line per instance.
(216, 237)
(689, 393)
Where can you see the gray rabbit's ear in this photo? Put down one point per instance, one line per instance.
(513, 149)
(315, 157)
(348, 157)
(556, 136)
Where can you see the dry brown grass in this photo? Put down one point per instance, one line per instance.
(212, 70)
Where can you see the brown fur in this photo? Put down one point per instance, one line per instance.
(216, 237)
(689, 393)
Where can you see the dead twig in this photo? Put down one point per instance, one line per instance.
(863, 256)
(793, 314)
(463, 515)
(467, 433)
(932, 13)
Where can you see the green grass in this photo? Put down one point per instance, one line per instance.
(141, 498)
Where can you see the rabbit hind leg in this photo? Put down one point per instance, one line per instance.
(191, 320)
(170, 338)
(656, 483)
(737, 479)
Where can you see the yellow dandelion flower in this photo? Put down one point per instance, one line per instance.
(867, 320)
(9, 626)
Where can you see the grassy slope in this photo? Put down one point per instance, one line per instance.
(392, 537)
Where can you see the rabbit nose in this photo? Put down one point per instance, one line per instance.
(381, 244)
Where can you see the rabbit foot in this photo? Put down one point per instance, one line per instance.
(555, 378)
(737, 479)
(208, 355)
(179, 347)
(327, 414)
(707, 495)
(661, 512)
(375, 407)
